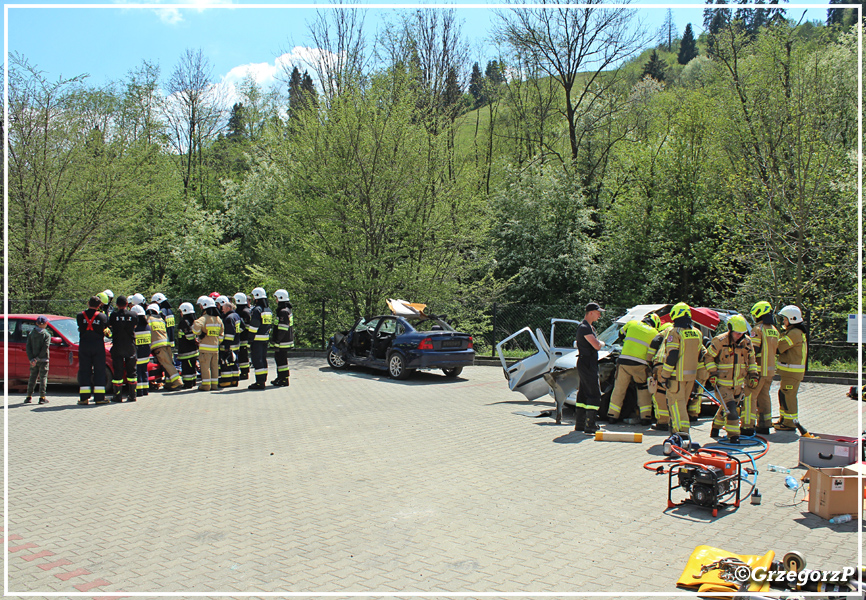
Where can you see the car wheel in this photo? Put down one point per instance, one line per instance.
(453, 371)
(335, 360)
(397, 367)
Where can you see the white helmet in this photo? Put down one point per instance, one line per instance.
(259, 293)
(158, 298)
(221, 301)
(206, 302)
(186, 308)
(136, 299)
(240, 298)
(281, 296)
(200, 300)
(108, 293)
(153, 308)
(137, 310)
(792, 313)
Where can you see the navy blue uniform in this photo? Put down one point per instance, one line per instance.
(91, 355)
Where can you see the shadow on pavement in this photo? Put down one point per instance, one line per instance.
(573, 437)
(814, 522)
(417, 378)
(699, 514)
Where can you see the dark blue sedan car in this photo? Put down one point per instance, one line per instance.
(400, 345)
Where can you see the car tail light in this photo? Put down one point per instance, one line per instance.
(470, 346)
(425, 344)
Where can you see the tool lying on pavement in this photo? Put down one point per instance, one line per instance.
(618, 436)
(714, 570)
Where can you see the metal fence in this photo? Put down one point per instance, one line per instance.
(317, 319)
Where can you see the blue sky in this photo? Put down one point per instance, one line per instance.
(108, 42)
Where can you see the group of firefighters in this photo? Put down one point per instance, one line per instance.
(669, 365)
(220, 343)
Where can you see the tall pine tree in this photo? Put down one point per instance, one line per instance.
(476, 85)
(655, 68)
(688, 46)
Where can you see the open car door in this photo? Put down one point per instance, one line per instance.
(527, 375)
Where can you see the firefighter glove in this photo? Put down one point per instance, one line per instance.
(711, 381)
(753, 381)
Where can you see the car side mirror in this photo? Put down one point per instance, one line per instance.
(57, 341)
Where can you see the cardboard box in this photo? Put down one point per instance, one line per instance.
(826, 451)
(834, 491)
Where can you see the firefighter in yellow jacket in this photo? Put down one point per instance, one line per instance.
(633, 365)
(160, 347)
(680, 366)
(730, 361)
(210, 331)
(758, 408)
(791, 366)
(659, 394)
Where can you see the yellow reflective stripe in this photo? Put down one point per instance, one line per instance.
(208, 347)
(159, 344)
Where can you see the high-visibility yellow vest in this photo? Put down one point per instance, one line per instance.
(638, 336)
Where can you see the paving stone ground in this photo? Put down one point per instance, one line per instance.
(351, 482)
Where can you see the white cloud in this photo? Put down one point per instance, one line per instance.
(267, 75)
(264, 74)
(169, 16)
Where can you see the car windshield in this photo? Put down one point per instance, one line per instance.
(609, 335)
(67, 327)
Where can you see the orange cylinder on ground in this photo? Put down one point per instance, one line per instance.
(618, 436)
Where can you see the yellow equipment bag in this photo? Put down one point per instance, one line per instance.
(711, 580)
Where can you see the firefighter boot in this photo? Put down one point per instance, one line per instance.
(590, 426)
(579, 418)
(259, 384)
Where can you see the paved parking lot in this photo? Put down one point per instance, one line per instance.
(351, 482)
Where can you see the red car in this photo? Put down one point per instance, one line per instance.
(62, 353)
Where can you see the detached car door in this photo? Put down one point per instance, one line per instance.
(527, 375)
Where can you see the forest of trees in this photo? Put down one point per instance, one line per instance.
(593, 161)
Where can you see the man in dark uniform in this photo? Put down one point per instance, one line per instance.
(242, 336)
(142, 349)
(283, 337)
(91, 353)
(261, 320)
(589, 392)
(122, 324)
(187, 345)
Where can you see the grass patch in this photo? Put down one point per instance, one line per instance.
(848, 366)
